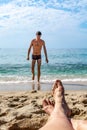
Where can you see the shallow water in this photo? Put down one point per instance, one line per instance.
(65, 64)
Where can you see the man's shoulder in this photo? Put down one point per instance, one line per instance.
(33, 40)
(42, 41)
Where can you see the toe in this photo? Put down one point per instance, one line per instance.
(45, 102)
(55, 86)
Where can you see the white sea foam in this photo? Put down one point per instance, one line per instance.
(44, 79)
(74, 80)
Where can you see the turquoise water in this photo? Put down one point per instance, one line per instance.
(64, 64)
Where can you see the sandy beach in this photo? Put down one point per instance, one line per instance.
(22, 110)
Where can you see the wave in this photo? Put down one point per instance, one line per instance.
(44, 79)
(65, 80)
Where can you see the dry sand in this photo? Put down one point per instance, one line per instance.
(23, 110)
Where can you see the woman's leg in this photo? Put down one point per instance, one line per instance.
(79, 124)
(49, 107)
(58, 119)
(67, 109)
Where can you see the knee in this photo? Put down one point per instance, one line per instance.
(32, 70)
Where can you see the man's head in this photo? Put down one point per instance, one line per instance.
(38, 34)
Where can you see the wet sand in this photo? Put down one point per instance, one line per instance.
(42, 86)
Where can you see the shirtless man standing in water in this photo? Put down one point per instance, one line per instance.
(37, 45)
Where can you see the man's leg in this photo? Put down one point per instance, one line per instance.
(38, 69)
(32, 69)
(58, 119)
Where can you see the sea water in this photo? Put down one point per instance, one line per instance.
(65, 64)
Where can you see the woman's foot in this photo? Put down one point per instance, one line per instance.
(58, 84)
(48, 106)
(58, 119)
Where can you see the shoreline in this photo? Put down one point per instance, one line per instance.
(42, 86)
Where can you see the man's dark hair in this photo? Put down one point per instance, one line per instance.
(38, 33)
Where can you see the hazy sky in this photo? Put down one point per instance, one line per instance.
(63, 23)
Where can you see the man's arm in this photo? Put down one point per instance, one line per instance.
(45, 52)
(29, 51)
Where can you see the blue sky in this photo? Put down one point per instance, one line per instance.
(63, 23)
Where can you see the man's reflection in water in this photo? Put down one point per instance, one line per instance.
(33, 86)
(38, 86)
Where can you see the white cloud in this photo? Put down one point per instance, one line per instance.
(60, 19)
(51, 15)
